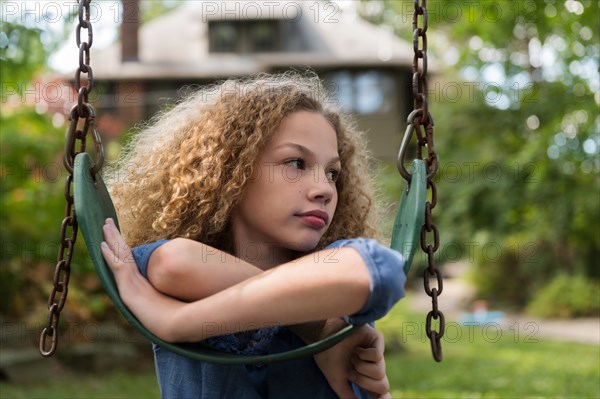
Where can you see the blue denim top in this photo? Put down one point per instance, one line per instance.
(180, 377)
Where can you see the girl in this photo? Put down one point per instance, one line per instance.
(249, 207)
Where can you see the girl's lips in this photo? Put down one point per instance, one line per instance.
(316, 218)
(313, 221)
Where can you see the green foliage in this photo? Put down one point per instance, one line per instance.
(22, 53)
(33, 179)
(516, 112)
(153, 9)
(32, 192)
(567, 296)
(33, 206)
(28, 147)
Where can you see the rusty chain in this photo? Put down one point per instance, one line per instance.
(82, 118)
(422, 121)
(84, 112)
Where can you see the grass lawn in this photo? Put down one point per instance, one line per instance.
(492, 362)
(111, 385)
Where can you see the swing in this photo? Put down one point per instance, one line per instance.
(93, 205)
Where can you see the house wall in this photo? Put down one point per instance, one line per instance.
(132, 102)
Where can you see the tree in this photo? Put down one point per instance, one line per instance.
(516, 111)
(32, 134)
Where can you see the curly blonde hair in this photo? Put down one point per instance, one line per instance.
(182, 175)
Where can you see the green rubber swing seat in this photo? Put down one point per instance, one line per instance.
(93, 206)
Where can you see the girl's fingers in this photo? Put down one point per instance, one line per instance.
(110, 234)
(369, 354)
(115, 241)
(371, 350)
(369, 366)
(372, 370)
(109, 256)
(378, 387)
(106, 251)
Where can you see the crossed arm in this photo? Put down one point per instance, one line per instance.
(239, 296)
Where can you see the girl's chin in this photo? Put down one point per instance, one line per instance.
(305, 249)
(305, 246)
(304, 241)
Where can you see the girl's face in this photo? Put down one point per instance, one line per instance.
(289, 205)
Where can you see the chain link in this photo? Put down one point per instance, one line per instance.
(419, 80)
(423, 127)
(82, 114)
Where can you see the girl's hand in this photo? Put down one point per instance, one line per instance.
(156, 311)
(369, 368)
(119, 258)
(357, 359)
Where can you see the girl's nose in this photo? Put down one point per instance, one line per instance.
(321, 188)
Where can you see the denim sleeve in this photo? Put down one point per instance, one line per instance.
(386, 269)
(142, 254)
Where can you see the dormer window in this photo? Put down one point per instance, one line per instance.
(223, 36)
(244, 37)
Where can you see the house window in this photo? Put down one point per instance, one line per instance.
(363, 92)
(263, 36)
(224, 36)
(244, 36)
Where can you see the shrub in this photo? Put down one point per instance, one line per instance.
(567, 296)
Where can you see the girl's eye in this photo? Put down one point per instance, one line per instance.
(333, 175)
(297, 163)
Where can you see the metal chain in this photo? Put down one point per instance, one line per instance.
(82, 114)
(424, 121)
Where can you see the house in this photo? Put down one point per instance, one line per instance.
(367, 67)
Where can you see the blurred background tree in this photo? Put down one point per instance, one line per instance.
(518, 132)
(32, 176)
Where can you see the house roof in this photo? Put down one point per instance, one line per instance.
(175, 45)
